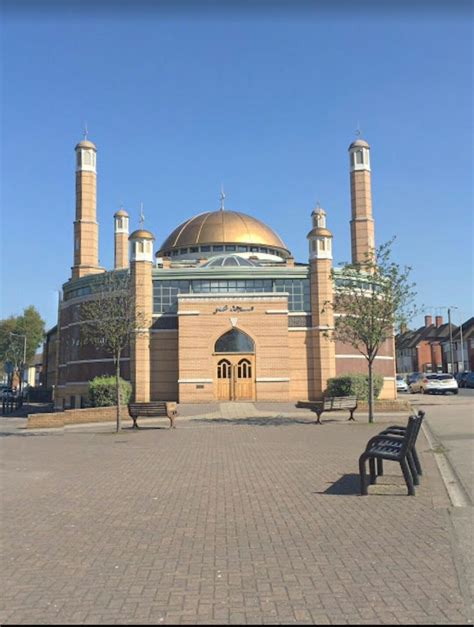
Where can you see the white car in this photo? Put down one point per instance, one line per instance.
(401, 384)
(447, 383)
(435, 384)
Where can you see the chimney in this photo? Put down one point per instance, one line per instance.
(438, 321)
(428, 321)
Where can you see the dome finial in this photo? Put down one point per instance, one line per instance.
(86, 131)
(142, 216)
(222, 198)
(358, 131)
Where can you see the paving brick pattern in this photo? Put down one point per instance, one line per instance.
(234, 522)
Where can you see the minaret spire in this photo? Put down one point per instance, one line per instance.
(222, 198)
(362, 222)
(86, 229)
(142, 216)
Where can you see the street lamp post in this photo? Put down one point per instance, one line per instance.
(451, 340)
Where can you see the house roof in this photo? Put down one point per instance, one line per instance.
(467, 330)
(431, 333)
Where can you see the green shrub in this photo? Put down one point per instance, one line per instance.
(354, 385)
(102, 392)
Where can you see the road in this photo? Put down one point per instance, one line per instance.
(451, 420)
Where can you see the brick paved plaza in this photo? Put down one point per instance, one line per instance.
(230, 521)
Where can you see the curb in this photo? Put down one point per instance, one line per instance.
(456, 492)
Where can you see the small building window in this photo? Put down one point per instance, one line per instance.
(359, 156)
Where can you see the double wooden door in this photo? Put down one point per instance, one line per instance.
(235, 378)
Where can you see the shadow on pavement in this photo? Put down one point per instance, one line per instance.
(347, 484)
(258, 421)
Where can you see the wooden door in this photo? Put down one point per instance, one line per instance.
(224, 380)
(243, 379)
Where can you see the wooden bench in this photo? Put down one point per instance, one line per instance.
(396, 448)
(152, 409)
(331, 403)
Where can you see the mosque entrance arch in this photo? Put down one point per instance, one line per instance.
(234, 354)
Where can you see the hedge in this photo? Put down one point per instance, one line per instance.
(354, 385)
(102, 391)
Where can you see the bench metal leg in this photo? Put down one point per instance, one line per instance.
(407, 476)
(135, 425)
(319, 413)
(363, 480)
(411, 464)
(172, 425)
(380, 467)
(417, 462)
(373, 474)
(351, 417)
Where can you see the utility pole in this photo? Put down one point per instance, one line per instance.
(451, 340)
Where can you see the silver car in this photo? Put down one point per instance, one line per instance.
(401, 384)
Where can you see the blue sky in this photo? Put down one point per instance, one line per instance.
(264, 101)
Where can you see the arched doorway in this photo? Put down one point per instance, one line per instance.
(234, 355)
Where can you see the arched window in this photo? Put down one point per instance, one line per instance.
(244, 369)
(87, 158)
(234, 341)
(223, 369)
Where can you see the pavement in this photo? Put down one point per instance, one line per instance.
(247, 513)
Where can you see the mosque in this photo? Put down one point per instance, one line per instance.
(231, 316)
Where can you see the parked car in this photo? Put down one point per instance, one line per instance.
(447, 383)
(412, 377)
(461, 378)
(435, 384)
(401, 384)
(469, 380)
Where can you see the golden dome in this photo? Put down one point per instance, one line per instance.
(121, 213)
(85, 143)
(321, 231)
(222, 227)
(141, 234)
(359, 143)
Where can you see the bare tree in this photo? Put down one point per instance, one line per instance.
(372, 299)
(110, 320)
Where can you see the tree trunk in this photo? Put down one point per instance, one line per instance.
(371, 393)
(117, 388)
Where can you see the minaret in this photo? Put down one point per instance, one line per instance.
(86, 229)
(322, 315)
(121, 239)
(141, 258)
(362, 223)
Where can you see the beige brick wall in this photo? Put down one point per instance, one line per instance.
(362, 224)
(86, 229)
(322, 347)
(301, 364)
(141, 282)
(200, 325)
(121, 251)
